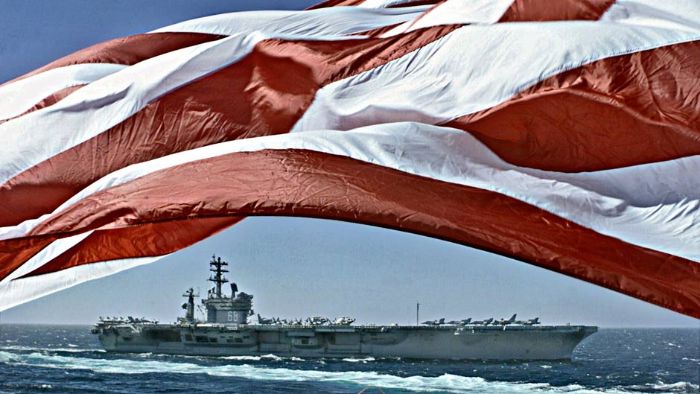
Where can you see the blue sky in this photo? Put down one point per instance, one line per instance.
(296, 267)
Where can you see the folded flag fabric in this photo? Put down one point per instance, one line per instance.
(566, 136)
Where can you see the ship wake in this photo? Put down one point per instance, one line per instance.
(357, 379)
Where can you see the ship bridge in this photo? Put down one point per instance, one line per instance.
(220, 308)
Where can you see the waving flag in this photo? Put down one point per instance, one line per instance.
(565, 136)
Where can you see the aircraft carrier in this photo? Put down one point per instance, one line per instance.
(232, 328)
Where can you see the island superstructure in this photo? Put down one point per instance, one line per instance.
(231, 328)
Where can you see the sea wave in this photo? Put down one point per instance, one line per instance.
(677, 387)
(443, 383)
(69, 349)
(5, 357)
(359, 360)
(264, 357)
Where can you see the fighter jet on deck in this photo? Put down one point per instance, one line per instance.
(343, 321)
(503, 322)
(262, 320)
(434, 322)
(482, 322)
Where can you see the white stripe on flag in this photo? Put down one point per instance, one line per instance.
(456, 12)
(383, 3)
(665, 14)
(17, 97)
(323, 21)
(27, 289)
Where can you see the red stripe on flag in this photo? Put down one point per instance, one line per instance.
(312, 184)
(15, 252)
(616, 112)
(559, 10)
(147, 240)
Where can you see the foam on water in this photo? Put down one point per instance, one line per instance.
(5, 357)
(359, 360)
(52, 349)
(264, 357)
(444, 383)
(674, 387)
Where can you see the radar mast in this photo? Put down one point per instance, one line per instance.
(218, 268)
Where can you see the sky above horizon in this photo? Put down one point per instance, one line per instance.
(296, 267)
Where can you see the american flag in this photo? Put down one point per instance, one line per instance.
(565, 134)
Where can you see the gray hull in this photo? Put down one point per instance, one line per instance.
(443, 342)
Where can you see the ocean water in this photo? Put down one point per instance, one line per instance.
(69, 359)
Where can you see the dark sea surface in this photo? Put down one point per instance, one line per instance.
(69, 359)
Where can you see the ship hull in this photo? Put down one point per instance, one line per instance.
(419, 342)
